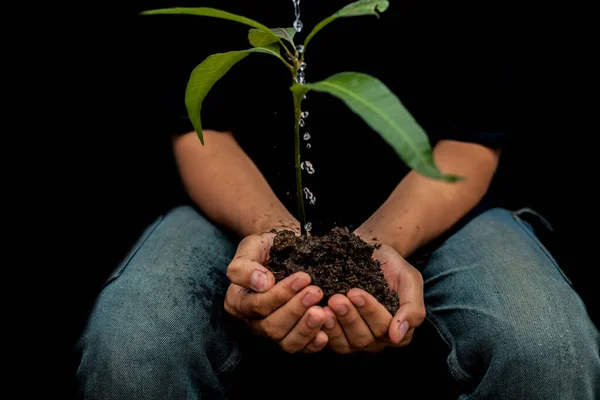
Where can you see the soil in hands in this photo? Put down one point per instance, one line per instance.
(336, 263)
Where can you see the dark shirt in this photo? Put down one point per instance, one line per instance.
(445, 62)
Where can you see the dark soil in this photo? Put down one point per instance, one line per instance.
(336, 262)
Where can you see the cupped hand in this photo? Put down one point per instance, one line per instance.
(357, 321)
(285, 311)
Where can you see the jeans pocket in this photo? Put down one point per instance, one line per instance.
(134, 249)
(522, 217)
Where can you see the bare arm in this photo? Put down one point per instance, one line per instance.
(224, 182)
(420, 209)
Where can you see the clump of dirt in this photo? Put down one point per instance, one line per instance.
(336, 263)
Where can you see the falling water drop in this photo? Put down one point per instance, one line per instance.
(306, 136)
(304, 97)
(310, 197)
(297, 23)
(309, 168)
(308, 226)
(300, 48)
(304, 114)
(301, 122)
(302, 66)
(300, 78)
(308, 146)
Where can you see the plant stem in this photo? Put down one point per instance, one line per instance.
(299, 191)
(286, 49)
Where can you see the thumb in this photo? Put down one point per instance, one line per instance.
(409, 316)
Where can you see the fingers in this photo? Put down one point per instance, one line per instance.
(232, 300)
(247, 269)
(407, 338)
(305, 331)
(337, 338)
(375, 315)
(256, 247)
(412, 308)
(280, 323)
(264, 304)
(355, 328)
(317, 344)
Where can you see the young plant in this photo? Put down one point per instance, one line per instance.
(363, 94)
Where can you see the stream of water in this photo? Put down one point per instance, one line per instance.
(301, 79)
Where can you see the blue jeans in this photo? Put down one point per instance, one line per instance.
(512, 325)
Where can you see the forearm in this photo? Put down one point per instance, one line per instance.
(224, 182)
(420, 208)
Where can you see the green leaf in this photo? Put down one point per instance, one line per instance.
(383, 112)
(212, 12)
(206, 74)
(361, 7)
(260, 38)
(285, 33)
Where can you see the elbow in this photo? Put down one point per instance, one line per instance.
(474, 162)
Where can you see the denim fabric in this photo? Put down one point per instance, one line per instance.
(157, 330)
(514, 327)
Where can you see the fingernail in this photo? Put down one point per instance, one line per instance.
(258, 280)
(329, 323)
(358, 301)
(313, 321)
(299, 284)
(310, 299)
(403, 329)
(340, 309)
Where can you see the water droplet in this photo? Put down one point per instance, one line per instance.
(304, 114)
(300, 78)
(309, 195)
(298, 25)
(304, 97)
(308, 146)
(309, 168)
(308, 226)
(300, 49)
(306, 136)
(301, 122)
(302, 66)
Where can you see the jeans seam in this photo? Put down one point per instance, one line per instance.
(457, 372)
(134, 250)
(536, 240)
(232, 361)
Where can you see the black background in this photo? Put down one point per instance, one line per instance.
(107, 173)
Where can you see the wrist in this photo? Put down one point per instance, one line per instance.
(404, 238)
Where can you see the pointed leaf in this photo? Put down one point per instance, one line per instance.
(206, 74)
(382, 111)
(260, 38)
(285, 33)
(212, 12)
(361, 7)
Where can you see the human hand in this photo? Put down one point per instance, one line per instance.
(357, 321)
(285, 312)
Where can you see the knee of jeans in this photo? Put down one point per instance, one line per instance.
(121, 347)
(550, 347)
